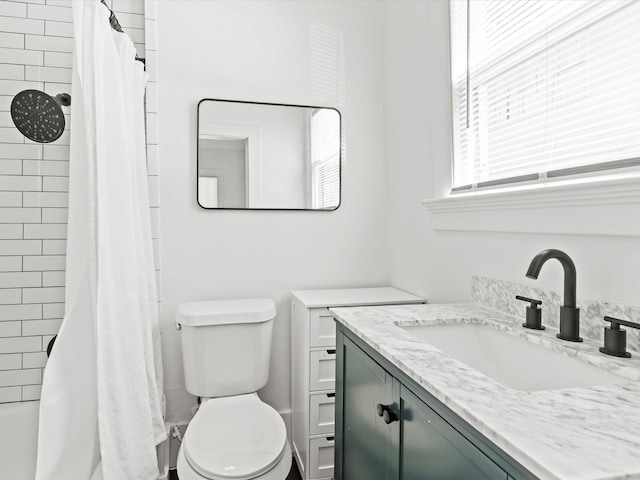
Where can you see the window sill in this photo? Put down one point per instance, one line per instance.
(608, 206)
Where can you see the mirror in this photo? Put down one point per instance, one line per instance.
(268, 156)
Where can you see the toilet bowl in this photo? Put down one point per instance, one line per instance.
(235, 438)
(226, 348)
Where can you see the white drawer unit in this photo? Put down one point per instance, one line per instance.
(322, 370)
(313, 362)
(321, 457)
(322, 416)
(322, 328)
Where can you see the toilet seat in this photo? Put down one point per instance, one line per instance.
(238, 437)
(279, 472)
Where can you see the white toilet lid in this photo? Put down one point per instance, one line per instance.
(237, 437)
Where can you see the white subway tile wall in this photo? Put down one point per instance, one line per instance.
(36, 41)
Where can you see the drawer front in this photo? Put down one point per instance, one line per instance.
(322, 328)
(322, 370)
(321, 457)
(322, 413)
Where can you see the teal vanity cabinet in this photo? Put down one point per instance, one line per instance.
(415, 438)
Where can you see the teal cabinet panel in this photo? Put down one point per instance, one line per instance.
(365, 436)
(430, 448)
(424, 440)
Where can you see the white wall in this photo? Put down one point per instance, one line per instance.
(439, 264)
(267, 51)
(393, 85)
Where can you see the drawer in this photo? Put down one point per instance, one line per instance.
(322, 370)
(322, 328)
(321, 457)
(322, 413)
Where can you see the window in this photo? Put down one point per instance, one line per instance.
(543, 88)
(325, 159)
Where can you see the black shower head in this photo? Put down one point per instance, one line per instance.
(38, 116)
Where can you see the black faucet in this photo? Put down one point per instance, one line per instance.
(569, 314)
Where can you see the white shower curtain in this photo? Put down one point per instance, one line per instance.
(100, 410)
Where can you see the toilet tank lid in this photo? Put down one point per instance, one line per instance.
(221, 312)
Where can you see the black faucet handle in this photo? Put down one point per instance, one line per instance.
(616, 322)
(534, 303)
(534, 314)
(615, 339)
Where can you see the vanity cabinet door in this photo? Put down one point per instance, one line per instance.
(365, 439)
(430, 448)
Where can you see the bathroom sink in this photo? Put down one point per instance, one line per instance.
(512, 361)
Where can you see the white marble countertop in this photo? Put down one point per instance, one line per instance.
(568, 434)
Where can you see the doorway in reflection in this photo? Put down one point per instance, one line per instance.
(222, 172)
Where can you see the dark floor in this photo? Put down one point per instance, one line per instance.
(293, 474)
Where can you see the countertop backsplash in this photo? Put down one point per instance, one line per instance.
(501, 295)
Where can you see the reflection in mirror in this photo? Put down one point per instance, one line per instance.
(268, 156)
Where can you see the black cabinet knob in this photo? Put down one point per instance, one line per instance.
(389, 416)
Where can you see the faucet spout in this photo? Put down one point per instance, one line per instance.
(569, 272)
(569, 313)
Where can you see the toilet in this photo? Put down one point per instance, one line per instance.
(226, 348)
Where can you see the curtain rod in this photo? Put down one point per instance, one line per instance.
(113, 20)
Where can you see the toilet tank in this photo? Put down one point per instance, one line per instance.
(226, 345)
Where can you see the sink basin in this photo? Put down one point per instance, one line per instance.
(512, 361)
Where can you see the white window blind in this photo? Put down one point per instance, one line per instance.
(325, 159)
(543, 88)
